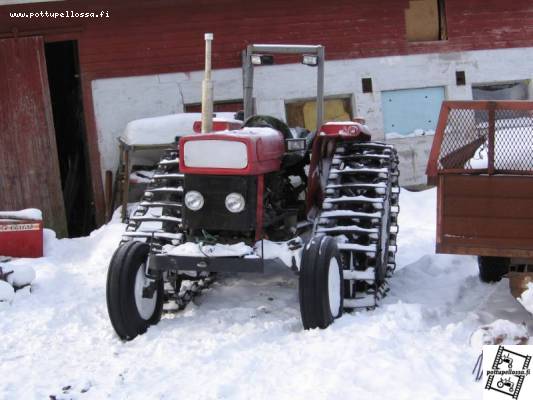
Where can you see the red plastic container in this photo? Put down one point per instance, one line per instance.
(21, 238)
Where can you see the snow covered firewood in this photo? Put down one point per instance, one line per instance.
(500, 331)
(6, 292)
(23, 275)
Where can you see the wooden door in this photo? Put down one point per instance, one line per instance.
(29, 168)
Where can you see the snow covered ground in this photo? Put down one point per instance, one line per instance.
(243, 338)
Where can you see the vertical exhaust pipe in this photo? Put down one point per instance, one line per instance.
(207, 88)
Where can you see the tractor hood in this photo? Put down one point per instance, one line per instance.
(247, 151)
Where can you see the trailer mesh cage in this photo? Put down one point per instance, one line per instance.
(483, 137)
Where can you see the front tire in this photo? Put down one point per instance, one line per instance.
(130, 313)
(321, 283)
(492, 269)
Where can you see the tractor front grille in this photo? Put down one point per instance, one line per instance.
(214, 216)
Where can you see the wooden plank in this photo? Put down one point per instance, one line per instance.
(495, 243)
(498, 186)
(93, 151)
(485, 215)
(483, 251)
(487, 227)
(489, 207)
(458, 158)
(431, 169)
(422, 20)
(29, 168)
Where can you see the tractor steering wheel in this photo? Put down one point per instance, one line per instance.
(266, 121)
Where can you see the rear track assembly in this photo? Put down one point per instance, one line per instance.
(360, 209)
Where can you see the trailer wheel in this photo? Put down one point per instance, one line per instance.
(131, 314)
(492, 269)
(321, 283)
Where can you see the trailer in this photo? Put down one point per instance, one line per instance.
(482, 164)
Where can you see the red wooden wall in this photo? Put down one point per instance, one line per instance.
(143, 37)
(158, 36)
(29, 168)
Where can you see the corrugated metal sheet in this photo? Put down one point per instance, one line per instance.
(29, 169)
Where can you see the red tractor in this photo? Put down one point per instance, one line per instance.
(330, 196)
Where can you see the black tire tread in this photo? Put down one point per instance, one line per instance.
(122, 312)
(313, 283)
(492, 269)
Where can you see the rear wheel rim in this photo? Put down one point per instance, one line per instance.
(145, 306)
(334, 287)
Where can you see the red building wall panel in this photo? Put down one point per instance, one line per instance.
(141, 37)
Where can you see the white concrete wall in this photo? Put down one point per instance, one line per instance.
(120, 100)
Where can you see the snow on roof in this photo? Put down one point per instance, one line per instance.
(29, 213)
(527, 298)
(164, 129)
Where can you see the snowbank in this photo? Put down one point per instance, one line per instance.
(527, 298)
(29, 213)
(500, 332)
(163, 130)
(417, 219)
(14, 277)
(6, 292)
(243, 338)
(22, 275)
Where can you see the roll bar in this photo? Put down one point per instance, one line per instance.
(258, 49)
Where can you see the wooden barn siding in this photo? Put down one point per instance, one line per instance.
(162, 36)
(167, 36)
(29, 168)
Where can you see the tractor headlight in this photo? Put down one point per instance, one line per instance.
(194, 200)
(235, 202)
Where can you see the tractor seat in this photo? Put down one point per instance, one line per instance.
(266, 121)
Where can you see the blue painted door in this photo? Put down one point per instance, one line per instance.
(408, 110)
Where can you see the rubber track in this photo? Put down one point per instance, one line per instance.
(361, 208)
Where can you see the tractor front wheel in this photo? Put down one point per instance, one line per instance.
(131, 311)
(492, 269)
(320, 283)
